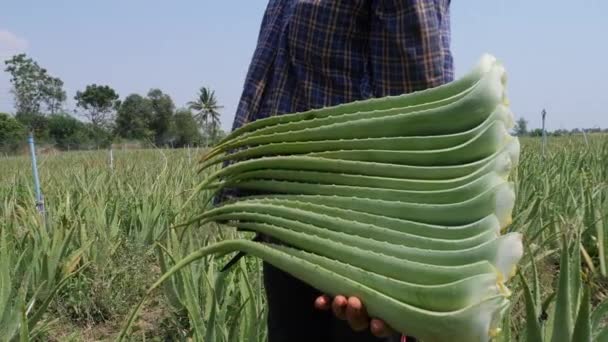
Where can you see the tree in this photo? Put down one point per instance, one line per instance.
(134, 118)
(32, 86)
(184, 128)
(207, 110)
(162, 113)
(53, 95)
(99, 103)
(26, 78)
(12, 133)
(521, 127)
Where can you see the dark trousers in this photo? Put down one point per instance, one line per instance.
(293, 318)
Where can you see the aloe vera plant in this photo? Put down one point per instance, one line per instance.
(400, 201)
(565, 324)
(32, 272)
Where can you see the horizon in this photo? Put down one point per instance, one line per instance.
(140, 45)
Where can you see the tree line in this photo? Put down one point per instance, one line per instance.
(101, 117)
(521, 129)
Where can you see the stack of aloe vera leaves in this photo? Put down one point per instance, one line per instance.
(401, 201)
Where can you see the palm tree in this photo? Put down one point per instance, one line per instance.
(207, 110)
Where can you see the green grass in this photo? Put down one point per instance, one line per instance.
(105, 240)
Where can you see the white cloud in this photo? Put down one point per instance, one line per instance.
(11, 44)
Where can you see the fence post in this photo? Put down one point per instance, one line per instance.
(39, 199)
(111, 158)
(544, 113)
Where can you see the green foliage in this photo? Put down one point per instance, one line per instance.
(521, 127)
(35, 122)
(105, 290)
(114, 212)
(102, 138)
(33, 268)
(185, 131)
(162, 115)
(134, 118)
(69, 133)
(571, 319)
(53, 94)
(115, 217)
(12, 133)
(559, 132)
(537, 132)
(98, 103)
(152, 118)
(33, 87)
(66, 131)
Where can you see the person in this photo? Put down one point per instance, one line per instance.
(318, 53)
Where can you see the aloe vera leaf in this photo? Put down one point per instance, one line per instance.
(602, 335)
(450, 89)
(400, 269)
(575, 272)
(582, 329)
(498, 201)
(467, 153)
(332, 178)
(562, 326)
(318, 218)
(458, 194)
(503, 252)
(440, 298)
(599, 314)
(335, 178)
(316, 122)
(462, 115)
(412, 143)
(489, 222)
(501, 162)
(533, 332)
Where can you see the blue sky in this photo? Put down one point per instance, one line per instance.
(555, 51)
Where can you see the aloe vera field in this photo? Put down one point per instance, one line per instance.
(75, 272)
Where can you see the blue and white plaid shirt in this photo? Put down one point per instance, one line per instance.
(317, 53)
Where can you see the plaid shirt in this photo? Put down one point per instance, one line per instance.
(317, 53)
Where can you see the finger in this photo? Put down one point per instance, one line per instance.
(356, 314)
(379, 328)
(339, 307)
(322, 303)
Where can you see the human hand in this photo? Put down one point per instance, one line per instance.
(352, 310)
